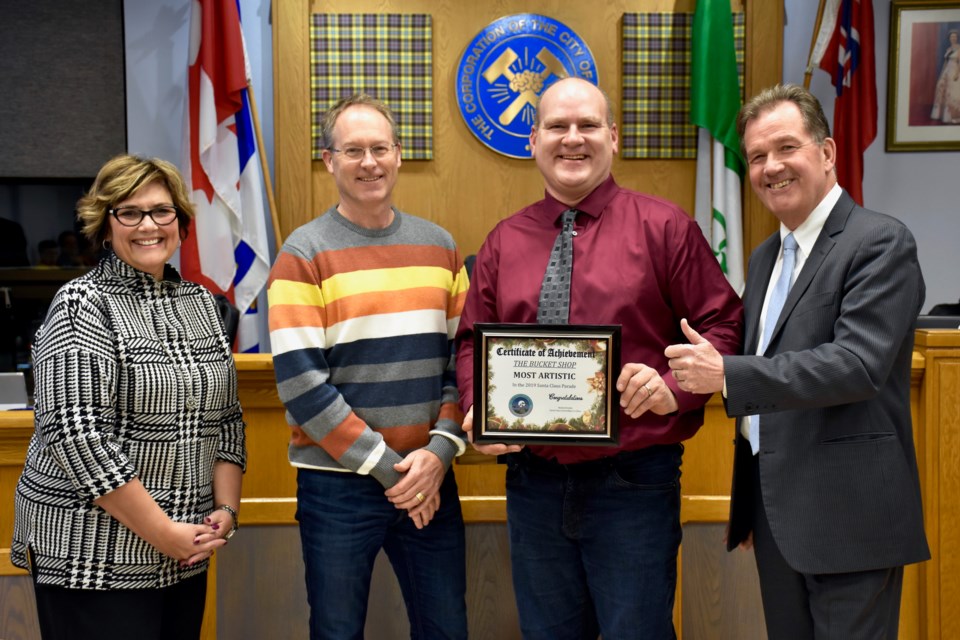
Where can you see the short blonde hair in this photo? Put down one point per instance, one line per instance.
(120, 178)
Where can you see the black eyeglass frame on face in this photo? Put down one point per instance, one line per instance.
(354, 154)
(163, 211)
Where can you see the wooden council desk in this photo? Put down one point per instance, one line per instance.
(931, 592)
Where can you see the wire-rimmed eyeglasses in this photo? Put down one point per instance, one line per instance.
(378, 151)
(132, 216)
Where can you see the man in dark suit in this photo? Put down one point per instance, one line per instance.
(825, 484)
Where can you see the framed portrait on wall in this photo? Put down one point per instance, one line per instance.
(923, 91)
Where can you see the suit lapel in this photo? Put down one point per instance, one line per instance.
(825, 243)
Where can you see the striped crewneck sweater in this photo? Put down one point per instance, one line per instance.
(361, 326)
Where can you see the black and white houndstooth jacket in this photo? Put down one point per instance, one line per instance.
(134, 379)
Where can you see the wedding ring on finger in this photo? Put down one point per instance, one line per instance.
(421, 497)
(649, 393)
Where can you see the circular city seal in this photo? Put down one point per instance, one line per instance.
(520, 405)
(504, 70)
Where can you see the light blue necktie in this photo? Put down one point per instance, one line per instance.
(777, 298)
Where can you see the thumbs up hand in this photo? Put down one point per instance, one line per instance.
(697, 367)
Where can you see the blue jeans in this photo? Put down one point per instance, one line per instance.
(594, 545)
(345, 520)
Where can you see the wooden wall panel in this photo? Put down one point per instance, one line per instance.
(262, 592)
(261, 587)
(18, 609)
(291, 86)
(16, 429)
(764, 62)
(708, 457)
(948, 407)
(938, 447)
(266, 447)
(468, 188)
(721, 591)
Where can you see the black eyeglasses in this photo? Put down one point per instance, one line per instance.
(132, 216)
(378, 151)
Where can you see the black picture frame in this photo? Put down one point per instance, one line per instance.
(546, 384)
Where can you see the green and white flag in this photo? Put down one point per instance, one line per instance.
(714, 103)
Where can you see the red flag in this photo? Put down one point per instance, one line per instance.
(849, 61)
(226, 250)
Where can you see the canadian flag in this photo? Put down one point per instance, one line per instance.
(226, 250)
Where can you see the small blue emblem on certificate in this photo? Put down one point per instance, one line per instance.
(520, 405)
(504, 70)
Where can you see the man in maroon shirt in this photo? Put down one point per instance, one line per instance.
(594, 531)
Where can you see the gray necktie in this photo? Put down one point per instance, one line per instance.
(777, 298)
(554, 305)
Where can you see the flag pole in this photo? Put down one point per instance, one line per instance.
(813, 43)
(278, 241)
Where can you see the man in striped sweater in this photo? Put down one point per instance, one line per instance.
(364, 304)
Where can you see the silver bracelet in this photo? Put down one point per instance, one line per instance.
(233, 514)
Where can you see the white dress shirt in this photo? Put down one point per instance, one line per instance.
(806, 236)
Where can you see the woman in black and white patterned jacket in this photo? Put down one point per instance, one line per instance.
(132, 478)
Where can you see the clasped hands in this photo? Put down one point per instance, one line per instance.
(192, 543)
(418, 491)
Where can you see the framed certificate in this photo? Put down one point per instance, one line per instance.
(546, 384)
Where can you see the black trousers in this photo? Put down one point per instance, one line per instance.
(168, 613)
(838, 606)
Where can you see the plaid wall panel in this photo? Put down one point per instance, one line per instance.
(388, 56)
(655, 118)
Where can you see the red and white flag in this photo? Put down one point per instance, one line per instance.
(226, 250)
(844, 49)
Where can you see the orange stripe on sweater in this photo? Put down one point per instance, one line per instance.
(366, 304)
(291, 267)
(385, 257)
(451, 411)
(284, 316)
(343, 436)
(405, 438)
(456, 305)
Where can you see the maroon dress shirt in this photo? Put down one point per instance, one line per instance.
(638, 261)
